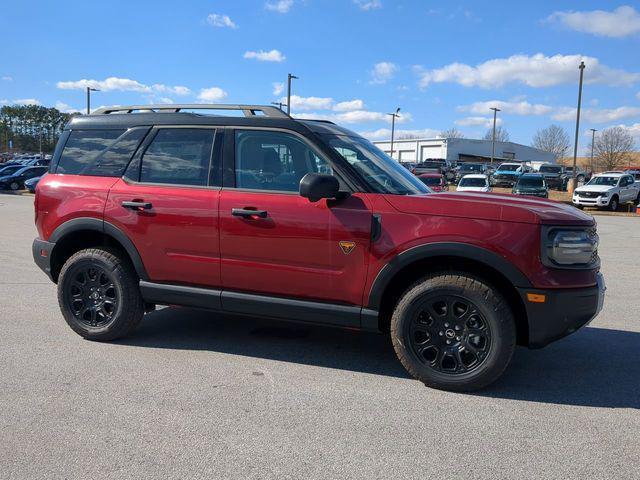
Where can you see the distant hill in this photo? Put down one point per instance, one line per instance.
(633, 161)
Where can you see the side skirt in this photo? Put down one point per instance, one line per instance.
(290, 309)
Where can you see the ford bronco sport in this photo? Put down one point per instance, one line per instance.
(303, 220)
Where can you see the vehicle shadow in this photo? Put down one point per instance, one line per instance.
(595, 367)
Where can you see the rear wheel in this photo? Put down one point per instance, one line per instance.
(14, 186)
(453, 332)
(99, 295)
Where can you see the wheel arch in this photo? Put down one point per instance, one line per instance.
(80, 233)
(409, 266)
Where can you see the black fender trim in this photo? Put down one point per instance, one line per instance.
(443, 249)
(98, 225)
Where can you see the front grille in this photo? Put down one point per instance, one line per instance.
(589, 194)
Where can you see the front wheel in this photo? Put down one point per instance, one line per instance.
(613, 204)
(99, 295)
(453, 332)
(14, 186)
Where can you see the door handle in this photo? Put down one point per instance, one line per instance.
(137, 205)
(248, 213)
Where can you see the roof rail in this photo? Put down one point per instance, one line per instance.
(248, 110)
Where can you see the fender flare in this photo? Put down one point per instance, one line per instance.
(443, 249)
(95, 224)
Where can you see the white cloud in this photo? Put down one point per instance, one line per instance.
(7, 78)
(4, 101)
(309, 103)
(350, 105)
(634, 130)
(533, 70)
(123, 85)
(368, 4)
(281, 6)
(221, 21)
(514, 107)
(26, 101)
(638, 95)
(165, 100)
(385, 133)
(65, 108)
(278, 88)
(621, 22)
(356, 116)
(383, 72)
(597, 115)
(213, 94)
(477, 121)
(263, 56)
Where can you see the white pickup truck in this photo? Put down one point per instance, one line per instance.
(607, 190)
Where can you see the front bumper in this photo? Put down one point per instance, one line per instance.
(533, 194)
(563, 312)
(503, 182)
(41, 250)
(590, 201)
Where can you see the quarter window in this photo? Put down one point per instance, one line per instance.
(178, 156)
(270, 160)
(83, 148)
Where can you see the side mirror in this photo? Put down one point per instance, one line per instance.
(315, 186)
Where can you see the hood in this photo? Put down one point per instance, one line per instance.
(491, 206)
(506, 172)
(594, 188)
(472, 189)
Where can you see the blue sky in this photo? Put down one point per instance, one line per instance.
(443, 63)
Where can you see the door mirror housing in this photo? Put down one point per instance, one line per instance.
(316, 186)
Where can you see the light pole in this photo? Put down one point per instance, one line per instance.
(279, 104)
(493, 137)
(593, 138)
(393, 126)
(575, 145)
(89, 90)
(289, 78)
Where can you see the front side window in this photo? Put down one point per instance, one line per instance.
(83, 148)
(178, 156)
(271, 160)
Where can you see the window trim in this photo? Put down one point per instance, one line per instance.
(146, 143)
(230, 160)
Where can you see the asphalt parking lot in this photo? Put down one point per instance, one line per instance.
(198, 395)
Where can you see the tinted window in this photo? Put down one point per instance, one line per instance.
(550, 169)
(82, 149)
(530, 182)
(274, 161)
(113, 161)
(178, 156)
(473, 182)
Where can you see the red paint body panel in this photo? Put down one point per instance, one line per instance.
(295, 250)
(178, 237)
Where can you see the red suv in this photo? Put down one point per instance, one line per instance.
(270, 216)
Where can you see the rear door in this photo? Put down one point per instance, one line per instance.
(167, 204)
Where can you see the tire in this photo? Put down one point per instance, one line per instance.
(99, 294)
(420, 332)
(613, 204)
(14, 186)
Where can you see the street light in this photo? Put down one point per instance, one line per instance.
(493, 138)
(279, 104)
(289, 78)
(89, 90)
(393, 126)
(575, 145)
(593, 138)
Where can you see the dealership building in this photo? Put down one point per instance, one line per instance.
(456, 150)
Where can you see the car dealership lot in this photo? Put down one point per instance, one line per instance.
(197, 395)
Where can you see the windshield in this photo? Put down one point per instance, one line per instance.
(429, 165)
(383, 174)
(611, 181)
(471, 167)
(550, 169)
(508, 168)
(530, 182)
(431, 181)
(473, 182)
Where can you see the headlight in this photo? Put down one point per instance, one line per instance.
(604, 194)
(570, 247)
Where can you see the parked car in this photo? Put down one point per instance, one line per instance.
(32, 183)
(555, 175)
(430, 166)
(234, 215)
(7, 170)
(434, 181)
(474, 183)
(607, 190)
(635, 173)
(532, 185)
(408, 165)
(469, 169)
(16, 180)
(507, 174)
(582, 175)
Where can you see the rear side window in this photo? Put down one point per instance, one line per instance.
(178, 156)
(83, 148)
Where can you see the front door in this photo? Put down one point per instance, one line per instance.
(290, 247)
(167, 204)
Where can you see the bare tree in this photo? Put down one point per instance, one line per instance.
(451, 133)
(553, 139)
(612, 146)
(501, 134)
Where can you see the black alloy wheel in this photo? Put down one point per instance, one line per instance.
(92, 297)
